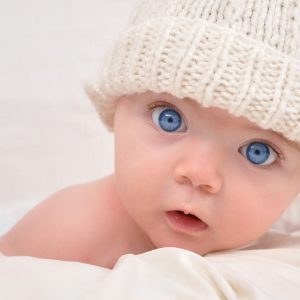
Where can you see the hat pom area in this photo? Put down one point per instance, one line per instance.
(242, 56)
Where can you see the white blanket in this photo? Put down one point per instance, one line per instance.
(272, 272)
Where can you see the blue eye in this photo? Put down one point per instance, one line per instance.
(168, 119)
(259, 153)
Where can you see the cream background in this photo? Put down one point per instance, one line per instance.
(50, 135)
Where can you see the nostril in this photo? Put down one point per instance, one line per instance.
(213, 188)
(182, 179)
(206, 178)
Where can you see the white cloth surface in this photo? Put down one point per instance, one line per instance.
(167, 273)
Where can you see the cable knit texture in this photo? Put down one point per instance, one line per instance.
(242, 56)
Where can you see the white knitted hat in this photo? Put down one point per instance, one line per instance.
(242, 56)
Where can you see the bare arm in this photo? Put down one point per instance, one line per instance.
(66, 226)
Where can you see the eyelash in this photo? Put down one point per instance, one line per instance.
(279, 155)
(152, 106)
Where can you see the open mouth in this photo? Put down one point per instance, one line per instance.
(183, 222)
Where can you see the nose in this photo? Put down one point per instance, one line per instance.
(200, 166)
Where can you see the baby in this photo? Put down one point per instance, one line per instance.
(204, 101)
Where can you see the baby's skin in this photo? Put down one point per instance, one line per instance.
(84, 223)
(185, 176)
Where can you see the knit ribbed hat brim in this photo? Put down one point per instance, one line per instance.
(208, 63)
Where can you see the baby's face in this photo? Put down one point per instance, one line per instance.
(199, 178)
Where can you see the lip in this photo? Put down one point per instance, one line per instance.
(186, 223)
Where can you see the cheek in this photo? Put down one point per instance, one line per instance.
(258, 204)
(137, 168)
(140, 151)
(132, 155)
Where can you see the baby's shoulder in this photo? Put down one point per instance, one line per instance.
(69, 225)
(86, 206)
(84, 197)
(91, 189)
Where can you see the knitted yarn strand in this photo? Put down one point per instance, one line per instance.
(242, 56)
